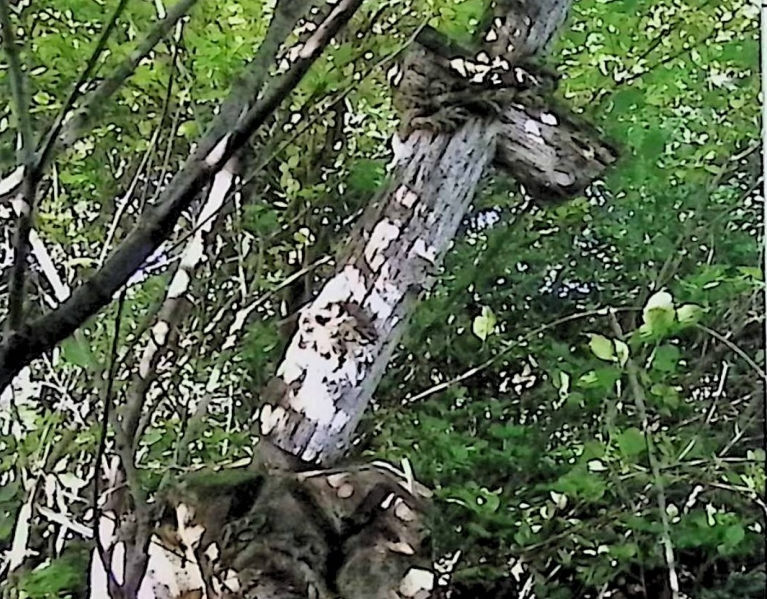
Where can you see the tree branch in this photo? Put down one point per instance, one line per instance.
(29, 181)
(223, 139)
(81, 120)
(53, 133)
(174, 308)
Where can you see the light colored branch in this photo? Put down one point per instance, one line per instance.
(174, 307)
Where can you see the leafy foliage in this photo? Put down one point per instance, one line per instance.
(542, 453)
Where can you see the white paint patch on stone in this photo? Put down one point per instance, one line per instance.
(385, 295)
(189, 532)
(400, 150)
(400, 547)
(212, 552)
(340, 420)
(532, 128)
(422, 250)
(459, 65)
(383, 234)
(415, 581)
(314, 399)
(501, 63)
(377, 304)
(563, 179)
(349, 285)
(232, 581)
(548, 118)
(403, 512)
(406, 197)
(336, 480)
(272, 416)
(311, 452)
(290, 370)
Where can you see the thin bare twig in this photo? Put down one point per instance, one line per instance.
(174, 306)
(53, 133)
(754, 366)
(21, 246)
(306, 124)
(103, 436)
(96, 99)
(71, 130)
(509, 346)
(145, 162)
(641, 405)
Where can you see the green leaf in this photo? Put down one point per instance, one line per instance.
(734, 534)
(658, 314)
(9, 491)
(622, 351)
(484, 325)
(689, 314)
(628, 99)
(752, 272)
(152, 436)
(624, 551)
(602, 347)
(666, 395)
(653, 144)
(665, 359)
(579, 483)
(76, 353)
(631, 442)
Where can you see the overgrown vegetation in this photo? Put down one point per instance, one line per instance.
(583, 389)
